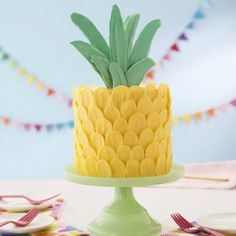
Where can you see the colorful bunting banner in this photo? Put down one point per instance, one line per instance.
(185, 119)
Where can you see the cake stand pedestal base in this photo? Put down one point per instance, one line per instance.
(124, 217)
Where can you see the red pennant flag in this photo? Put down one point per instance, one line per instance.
(211, 112)
(50, 92)
(70, 102)
(38, 127)
(150, 75)
(26, 126)
(175, 47)
(233, 102)
(166, 57)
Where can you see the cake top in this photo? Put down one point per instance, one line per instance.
(122, 62)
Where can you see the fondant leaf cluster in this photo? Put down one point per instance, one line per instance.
(122, 62)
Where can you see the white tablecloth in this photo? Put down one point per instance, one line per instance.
(83, 203)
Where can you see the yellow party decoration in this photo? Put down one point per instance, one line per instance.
(102, 98)
(103, 169)
(91, 166)
(145, 105)
(153, 120)
(114, 139)
(137, 153)
(132, 168)
(96, 141)
(130, 139)
(128, 108)
(186, 119)
(118, 168)
(40, 85)
(31, 79)
(135, 93)
(120, 125)
(123, 153)
(146, 137)
(152, 150)
(137, 122)
(119, 95)
(111, 113)
(148, 167)
(22, 72)
(106, 153)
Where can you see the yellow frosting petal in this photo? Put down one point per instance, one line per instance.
(120, 125)
(86, 97)
(163, 146)
(103, 126)
(81, 138)
(162, 91)
(111, 113)
(135, 93)
(163, 116)
(146, 137)
(106, 153)
(128, 108)
(103, 169)
(89, 152)
(102, 98)
(151, 91)
(119, 95)
(132, 168)
(167, 129)
(96, 141)
(137, 153)
(161, 165)
(87, 127)
(123, 153)
(159, 134)
(164, 103)
(137, 123)
(81, 113)
(94, 113)
(118, 168)
(131, 139)
(145, 105)
(157, 104)
(91, 166)
(169, 148)
(152, 151)
(114, 139)
(147, 167)
(153, 121)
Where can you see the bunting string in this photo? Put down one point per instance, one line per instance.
(184, 119)
(51, 92)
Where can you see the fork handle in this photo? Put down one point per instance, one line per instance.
(210, 231)
(5, 223)
(14, 196)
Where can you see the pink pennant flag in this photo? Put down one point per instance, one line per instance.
(157, 67)
(233, 102)
(26, 126)
(60, 97)
(15, 124)
(175, 47)
(166, 57)
(70, 102)
(223, 108)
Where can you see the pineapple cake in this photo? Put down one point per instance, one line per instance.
(122, 129)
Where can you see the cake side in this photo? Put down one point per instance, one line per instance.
(122, 132)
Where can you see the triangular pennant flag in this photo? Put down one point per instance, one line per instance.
(50, 92)
(70, 124)
(157, 67)
(206, 4)
(13, 64)
(49, 128)
(5, 121)
(175, 47)
(40, 85)
(31, 79)
(26, 126)
(150, 74)
(211, 112)
(183, 37)
(186, 119)
(223, 108)
(60, 97)
(15, 124)
(5, 56)
(198, 15)
(166, 57)
(60, 126)
(70, 102)
(22, 72)
(197, 116)
(233, 102)
(38, 127)
(190, 25)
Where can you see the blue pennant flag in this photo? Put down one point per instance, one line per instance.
(60, 126)
(70, 124)
(198, 15)
(190, 25)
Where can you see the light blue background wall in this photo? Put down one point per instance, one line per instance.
(37, 33)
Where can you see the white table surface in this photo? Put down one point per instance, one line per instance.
(83, 203)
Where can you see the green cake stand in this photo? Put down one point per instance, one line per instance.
(124, 216)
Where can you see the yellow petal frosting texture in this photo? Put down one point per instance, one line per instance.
(122, 132)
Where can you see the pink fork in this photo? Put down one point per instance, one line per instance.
(33, 202)
(188, 227)
(25, 220)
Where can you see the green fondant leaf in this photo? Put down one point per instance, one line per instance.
(137, 72)
(102, 65)
(117, 74)
(130, 25)
(118, 41)
(91, 32)
(143, 42)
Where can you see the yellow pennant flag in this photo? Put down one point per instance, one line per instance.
(31, 79)
(186, 119)
(22, 72)
(40, 85)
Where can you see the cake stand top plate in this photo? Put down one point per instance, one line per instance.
(175, 173)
